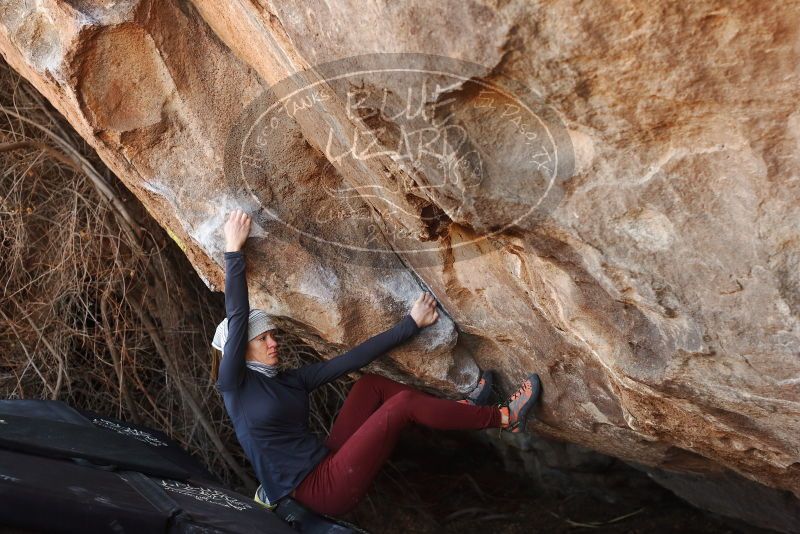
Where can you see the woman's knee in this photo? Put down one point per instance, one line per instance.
(401, 401)
(403, 397)
(367, 378)
(366, 381)
(371, 380)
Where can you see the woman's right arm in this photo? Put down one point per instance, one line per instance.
(237, 304)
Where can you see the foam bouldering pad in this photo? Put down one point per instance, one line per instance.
(62, 470)
(103, 449)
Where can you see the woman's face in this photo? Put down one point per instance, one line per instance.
(263, 348)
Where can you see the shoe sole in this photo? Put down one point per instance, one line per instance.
(536, 392)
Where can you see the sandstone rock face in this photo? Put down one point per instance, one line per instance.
(656, 290)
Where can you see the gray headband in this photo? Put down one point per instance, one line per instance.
(258, 323)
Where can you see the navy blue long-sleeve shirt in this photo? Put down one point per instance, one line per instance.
(270, 415)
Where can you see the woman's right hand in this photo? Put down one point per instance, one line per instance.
(237, 228)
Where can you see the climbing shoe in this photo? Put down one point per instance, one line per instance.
(520, 403)
(479, 396)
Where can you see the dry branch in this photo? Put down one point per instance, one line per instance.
(92, 315)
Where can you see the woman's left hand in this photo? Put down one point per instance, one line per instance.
(424, 310)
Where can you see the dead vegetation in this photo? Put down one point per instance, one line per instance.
(99, 308)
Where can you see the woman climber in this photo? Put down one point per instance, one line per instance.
(269, 407)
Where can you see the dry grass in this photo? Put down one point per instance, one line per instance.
(98, 307)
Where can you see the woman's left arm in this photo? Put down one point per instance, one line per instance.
(318, 374)
(422, 314)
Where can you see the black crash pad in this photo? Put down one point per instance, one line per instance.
(43, 489)
(104, 449)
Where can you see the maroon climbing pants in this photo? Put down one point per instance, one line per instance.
(365, 432)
